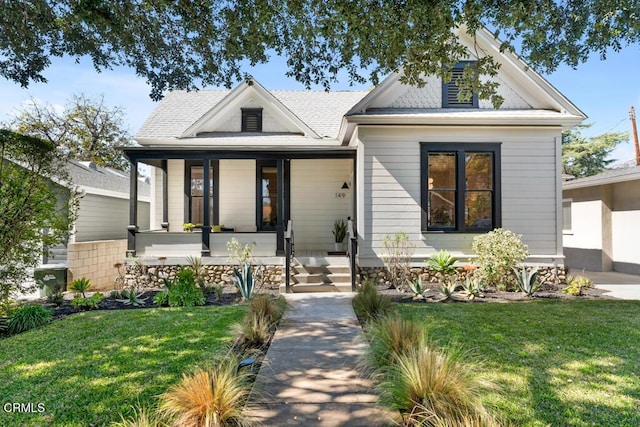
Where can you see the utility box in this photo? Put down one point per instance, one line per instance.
(51, 277)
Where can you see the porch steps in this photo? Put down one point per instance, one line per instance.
(319, 274)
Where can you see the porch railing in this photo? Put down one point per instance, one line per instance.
(352, 251)
(289, 253)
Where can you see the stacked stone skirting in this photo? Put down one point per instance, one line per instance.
(151, 276)
(381, 275)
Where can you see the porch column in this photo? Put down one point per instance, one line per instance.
(165, 197)
(206, 219)
(280, 213)
(132, 228)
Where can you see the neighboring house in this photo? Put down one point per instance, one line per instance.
(103, 211)
(393, 159)
(602, 221)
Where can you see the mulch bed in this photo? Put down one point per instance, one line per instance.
(547, 291)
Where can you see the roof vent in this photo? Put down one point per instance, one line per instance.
(93, 166)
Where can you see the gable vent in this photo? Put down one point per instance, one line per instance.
(450, 91)
(252, 120)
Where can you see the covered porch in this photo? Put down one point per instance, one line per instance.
(249, 194)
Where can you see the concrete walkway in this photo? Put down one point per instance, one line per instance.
(309, 375)
(616, 285)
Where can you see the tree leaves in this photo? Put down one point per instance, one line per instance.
(588, 156)
(187, 44)
(86, 130)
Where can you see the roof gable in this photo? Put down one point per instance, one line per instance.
(224, 116)
(520, 86)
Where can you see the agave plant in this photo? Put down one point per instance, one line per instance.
(415, 286)
(244, 281)
(131, 298)
(527, 280)
(442, 263)
(473, 288)
(448, 289)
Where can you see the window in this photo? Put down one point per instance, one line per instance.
(194, 190)
(450, 90)
(252, 120)
(460, 187)
(566, 215)
(267, 195)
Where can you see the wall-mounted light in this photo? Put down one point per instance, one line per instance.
(345, 186)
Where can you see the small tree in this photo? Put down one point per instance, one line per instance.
(398, 250)
(499, 251)
(34, 196)
(588, 156)
(86, 130)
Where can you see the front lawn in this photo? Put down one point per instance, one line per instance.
(90, 367)
(569, 363)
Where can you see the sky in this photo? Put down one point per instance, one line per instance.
(603, 90)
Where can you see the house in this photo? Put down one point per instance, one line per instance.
(259, 163)
(602, 221)
(103, 209)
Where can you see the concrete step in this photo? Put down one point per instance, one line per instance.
(322, 269)
(321, 278)
(321, 260)
(316, 287)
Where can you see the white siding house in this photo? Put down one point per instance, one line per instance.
(246, 162)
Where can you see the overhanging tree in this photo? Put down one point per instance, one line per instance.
(34, 196)
(582, 156)
(184, 44)
(87, 129)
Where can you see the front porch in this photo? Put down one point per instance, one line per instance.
(241, 194)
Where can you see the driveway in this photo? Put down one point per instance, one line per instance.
(616, 285)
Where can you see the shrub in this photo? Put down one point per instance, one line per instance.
(398, 251)
(369, 304)
(80, 286)
(90, 303)
(28, 317)
(433, 387)
(219, 290)
(199, 268)
(577, 285)
(161, 299)
(442, 263)
(498, 252)
(208, 398)
(390, 337)
(183, 291)
(263, 314)
(526, 280)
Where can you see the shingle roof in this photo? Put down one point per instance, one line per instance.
(103, 178)
(607, 177)
(321, 111)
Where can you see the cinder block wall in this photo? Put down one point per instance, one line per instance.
(95, 261)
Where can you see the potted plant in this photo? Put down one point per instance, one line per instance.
(339, 233)
(187, 226)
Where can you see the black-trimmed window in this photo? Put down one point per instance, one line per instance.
(450, 90)
(252, 120)
(460, 187)
(194, 192)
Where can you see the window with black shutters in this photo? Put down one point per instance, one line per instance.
(252, 120)
(450, 90)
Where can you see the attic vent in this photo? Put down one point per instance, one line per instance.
(450, 90)
(252, 120)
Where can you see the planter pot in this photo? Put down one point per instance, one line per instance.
(337, 247)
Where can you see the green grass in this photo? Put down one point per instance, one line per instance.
(90, 367)
(568, 363)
